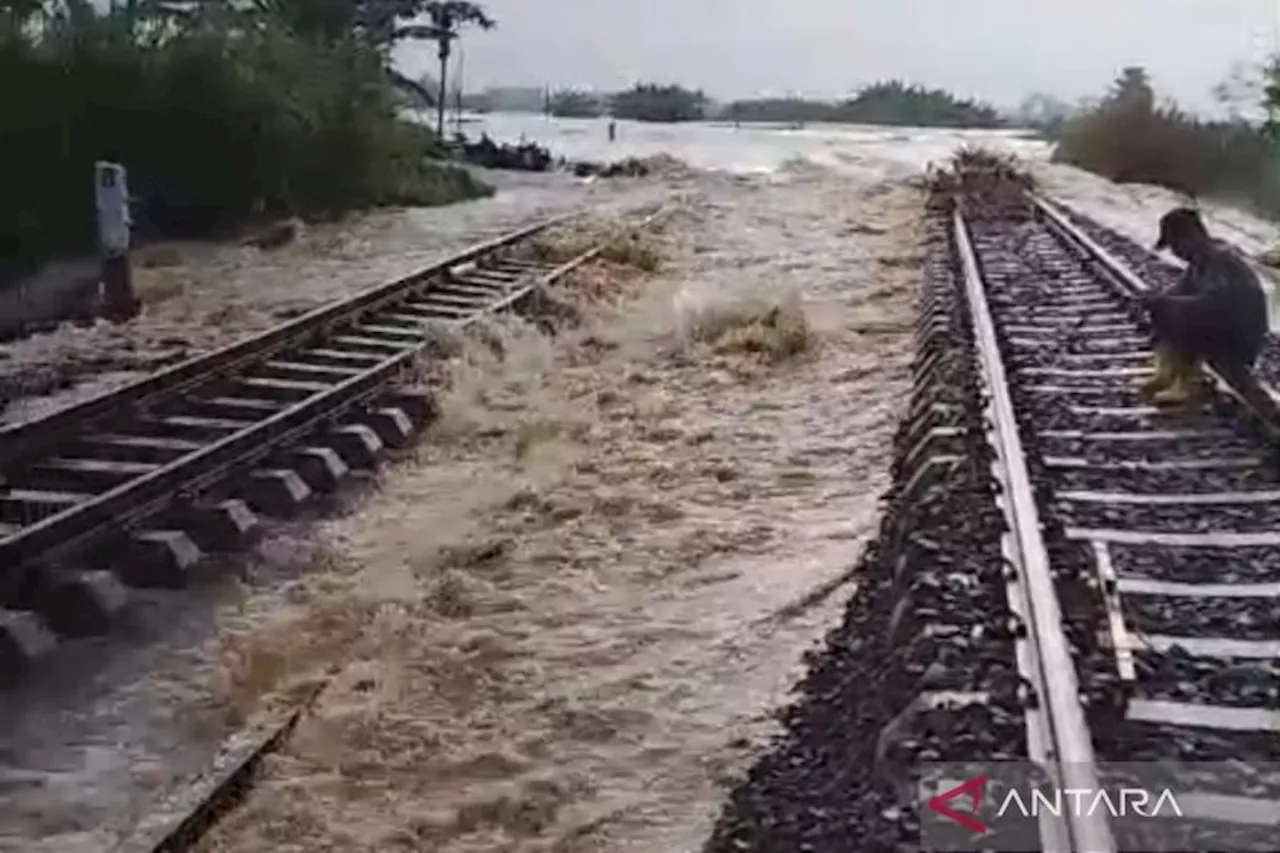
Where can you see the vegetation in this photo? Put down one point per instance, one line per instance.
(220, 111)
(888, 103)
(571, 103)
(779, 110)
(767, 330)
(997, 184)
(1131, 138)
(897, 103)
(511, 99)
(653, 102)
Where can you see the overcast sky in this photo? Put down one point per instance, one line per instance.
(996, 49)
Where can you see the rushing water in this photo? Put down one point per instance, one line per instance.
(564, 624)
(751, 149)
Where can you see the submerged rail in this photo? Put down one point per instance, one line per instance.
(134, 484)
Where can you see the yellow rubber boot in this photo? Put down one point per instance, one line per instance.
(1186, 386)
(1164, 374)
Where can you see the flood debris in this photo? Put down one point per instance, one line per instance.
(522, 157)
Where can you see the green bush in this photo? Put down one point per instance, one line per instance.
(215, 125)
(1128, 139)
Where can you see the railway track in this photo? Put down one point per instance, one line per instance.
(1173, 516)
(1128, 636)
(130, 488)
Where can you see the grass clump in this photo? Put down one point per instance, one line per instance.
(772, 332)
(623, 246)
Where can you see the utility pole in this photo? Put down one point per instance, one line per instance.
(457, 93)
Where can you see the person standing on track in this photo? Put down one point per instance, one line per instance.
(1217, 312)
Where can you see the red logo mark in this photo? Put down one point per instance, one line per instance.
(966, 819)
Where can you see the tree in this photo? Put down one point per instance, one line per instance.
(1270, 100)
(651, 102)
(446, 20)
(897, 103)
(571, 103)
(1132, 90)
(1241, 93)
(378, 23)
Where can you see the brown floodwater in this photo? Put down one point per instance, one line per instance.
(563, 623)
(569, 633)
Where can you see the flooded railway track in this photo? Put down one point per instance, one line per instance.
(132, 488)
(1112, 626)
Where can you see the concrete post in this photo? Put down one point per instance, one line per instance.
(111, 192)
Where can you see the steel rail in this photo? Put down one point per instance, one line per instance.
(20, 442)
(181, 819)
(64, 532)
(1257, 396)
(1074, 764)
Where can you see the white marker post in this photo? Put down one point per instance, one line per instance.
(111, 192)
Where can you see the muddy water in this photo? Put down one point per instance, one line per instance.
(564, 623)
(571, 616)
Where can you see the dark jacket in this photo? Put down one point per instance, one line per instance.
(1217, 309)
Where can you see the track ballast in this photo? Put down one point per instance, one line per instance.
(1140, 573)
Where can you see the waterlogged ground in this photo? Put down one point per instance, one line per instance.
(562, 623)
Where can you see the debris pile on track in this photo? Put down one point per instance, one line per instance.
(922, 668)
(989, 184)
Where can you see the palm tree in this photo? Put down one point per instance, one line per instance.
(447, 18)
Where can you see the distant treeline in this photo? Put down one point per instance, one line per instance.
(893, 103)
(889, 103)
(643, 102)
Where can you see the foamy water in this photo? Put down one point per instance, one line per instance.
(564, 623)
(750, 149)
(658, 522)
